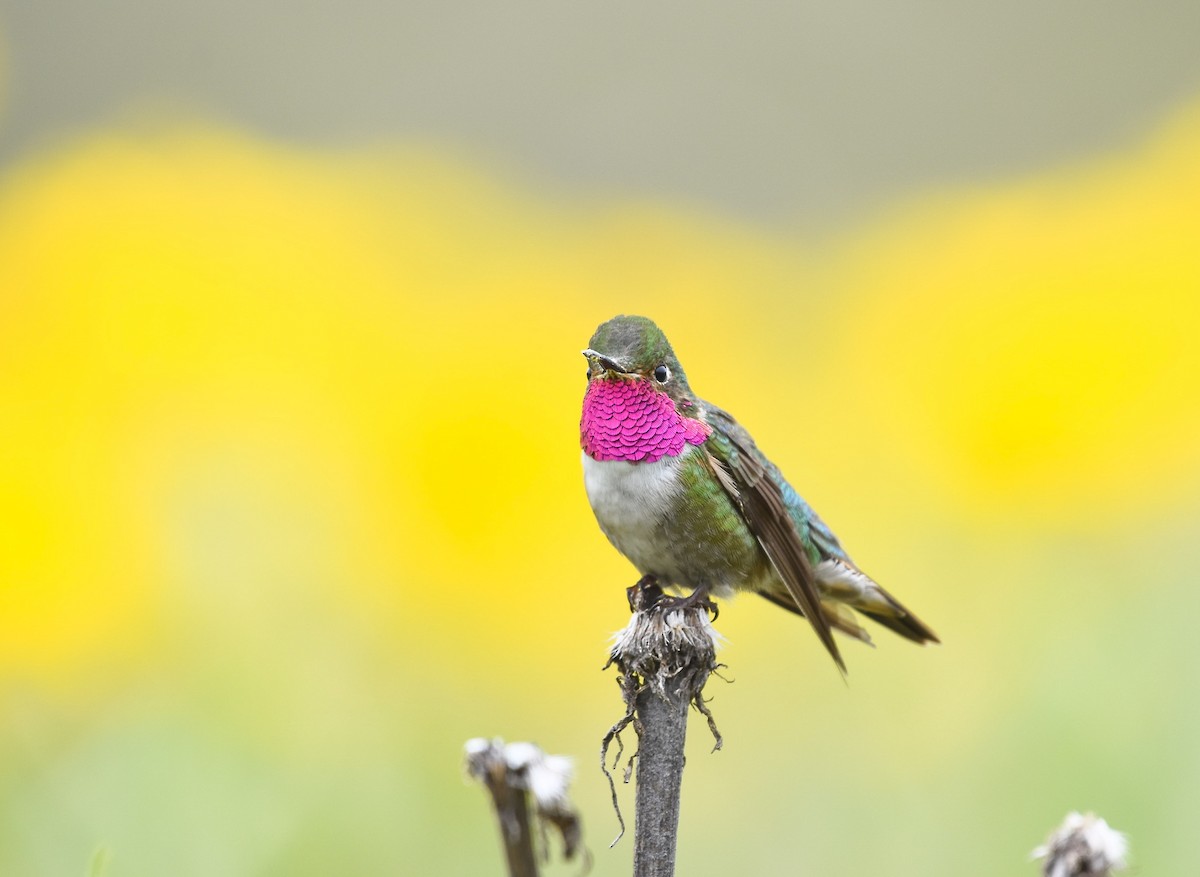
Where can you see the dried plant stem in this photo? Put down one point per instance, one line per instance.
(512, 810)
(512, 773)
(665, 654)
(662, 728)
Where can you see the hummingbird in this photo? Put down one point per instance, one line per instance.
(682, 491)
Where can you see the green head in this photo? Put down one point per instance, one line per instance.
(628, 346)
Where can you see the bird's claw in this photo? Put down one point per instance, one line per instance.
(698, 599)
(647, 594)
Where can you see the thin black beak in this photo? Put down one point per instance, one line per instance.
(604, 363)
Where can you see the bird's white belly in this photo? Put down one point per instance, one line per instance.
(631, 501)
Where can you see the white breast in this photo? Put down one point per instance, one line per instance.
(631, 500)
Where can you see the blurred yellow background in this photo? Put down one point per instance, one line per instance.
(290, 503)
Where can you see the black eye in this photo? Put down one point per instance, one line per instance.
(662, 374)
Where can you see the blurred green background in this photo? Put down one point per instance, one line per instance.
(291, 299)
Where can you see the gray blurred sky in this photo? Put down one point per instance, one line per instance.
(808, 112)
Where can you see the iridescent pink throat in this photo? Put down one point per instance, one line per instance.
(631, 420)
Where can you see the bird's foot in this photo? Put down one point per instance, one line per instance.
(698, 599)
(645, 594)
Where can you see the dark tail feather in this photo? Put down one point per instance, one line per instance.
(907, 625)
(844, 625)
(904, 622)
(783, 600)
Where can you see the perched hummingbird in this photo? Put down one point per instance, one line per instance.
(680, 488)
